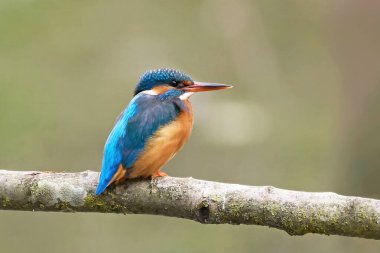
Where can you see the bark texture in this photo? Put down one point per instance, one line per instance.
(295, 212)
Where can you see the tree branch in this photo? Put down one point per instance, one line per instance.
(297, 213)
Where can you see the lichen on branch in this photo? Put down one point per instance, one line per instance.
(206, 202)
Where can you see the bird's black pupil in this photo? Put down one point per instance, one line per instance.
(175, 83)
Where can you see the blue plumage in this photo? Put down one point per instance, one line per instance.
(162, 108)
(140, 120)
(156, 77)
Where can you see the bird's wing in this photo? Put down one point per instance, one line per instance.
(141, 119)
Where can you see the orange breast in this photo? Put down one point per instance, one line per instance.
(164, 145)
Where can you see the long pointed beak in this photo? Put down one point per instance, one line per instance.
(199, 86)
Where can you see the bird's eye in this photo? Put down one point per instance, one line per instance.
(175, 83)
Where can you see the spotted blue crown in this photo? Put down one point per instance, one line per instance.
(153, 78)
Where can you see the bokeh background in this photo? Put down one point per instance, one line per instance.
(304, 113)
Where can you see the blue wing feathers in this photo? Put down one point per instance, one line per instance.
(112, 156)
(140, 120)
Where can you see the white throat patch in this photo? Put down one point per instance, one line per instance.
(150, 92)
(186, 95)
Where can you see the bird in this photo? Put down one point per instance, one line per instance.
(153, 128)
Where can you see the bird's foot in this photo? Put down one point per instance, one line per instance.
(159, 174)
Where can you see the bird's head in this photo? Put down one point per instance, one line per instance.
(161, 81)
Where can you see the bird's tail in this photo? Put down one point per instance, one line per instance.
(102, 185)
(104, 180)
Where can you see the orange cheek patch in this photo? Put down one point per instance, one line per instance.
(187, 83)
(162, 89)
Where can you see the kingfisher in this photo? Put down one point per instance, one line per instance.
(153, 128)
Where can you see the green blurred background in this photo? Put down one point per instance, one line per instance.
(304, 113)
